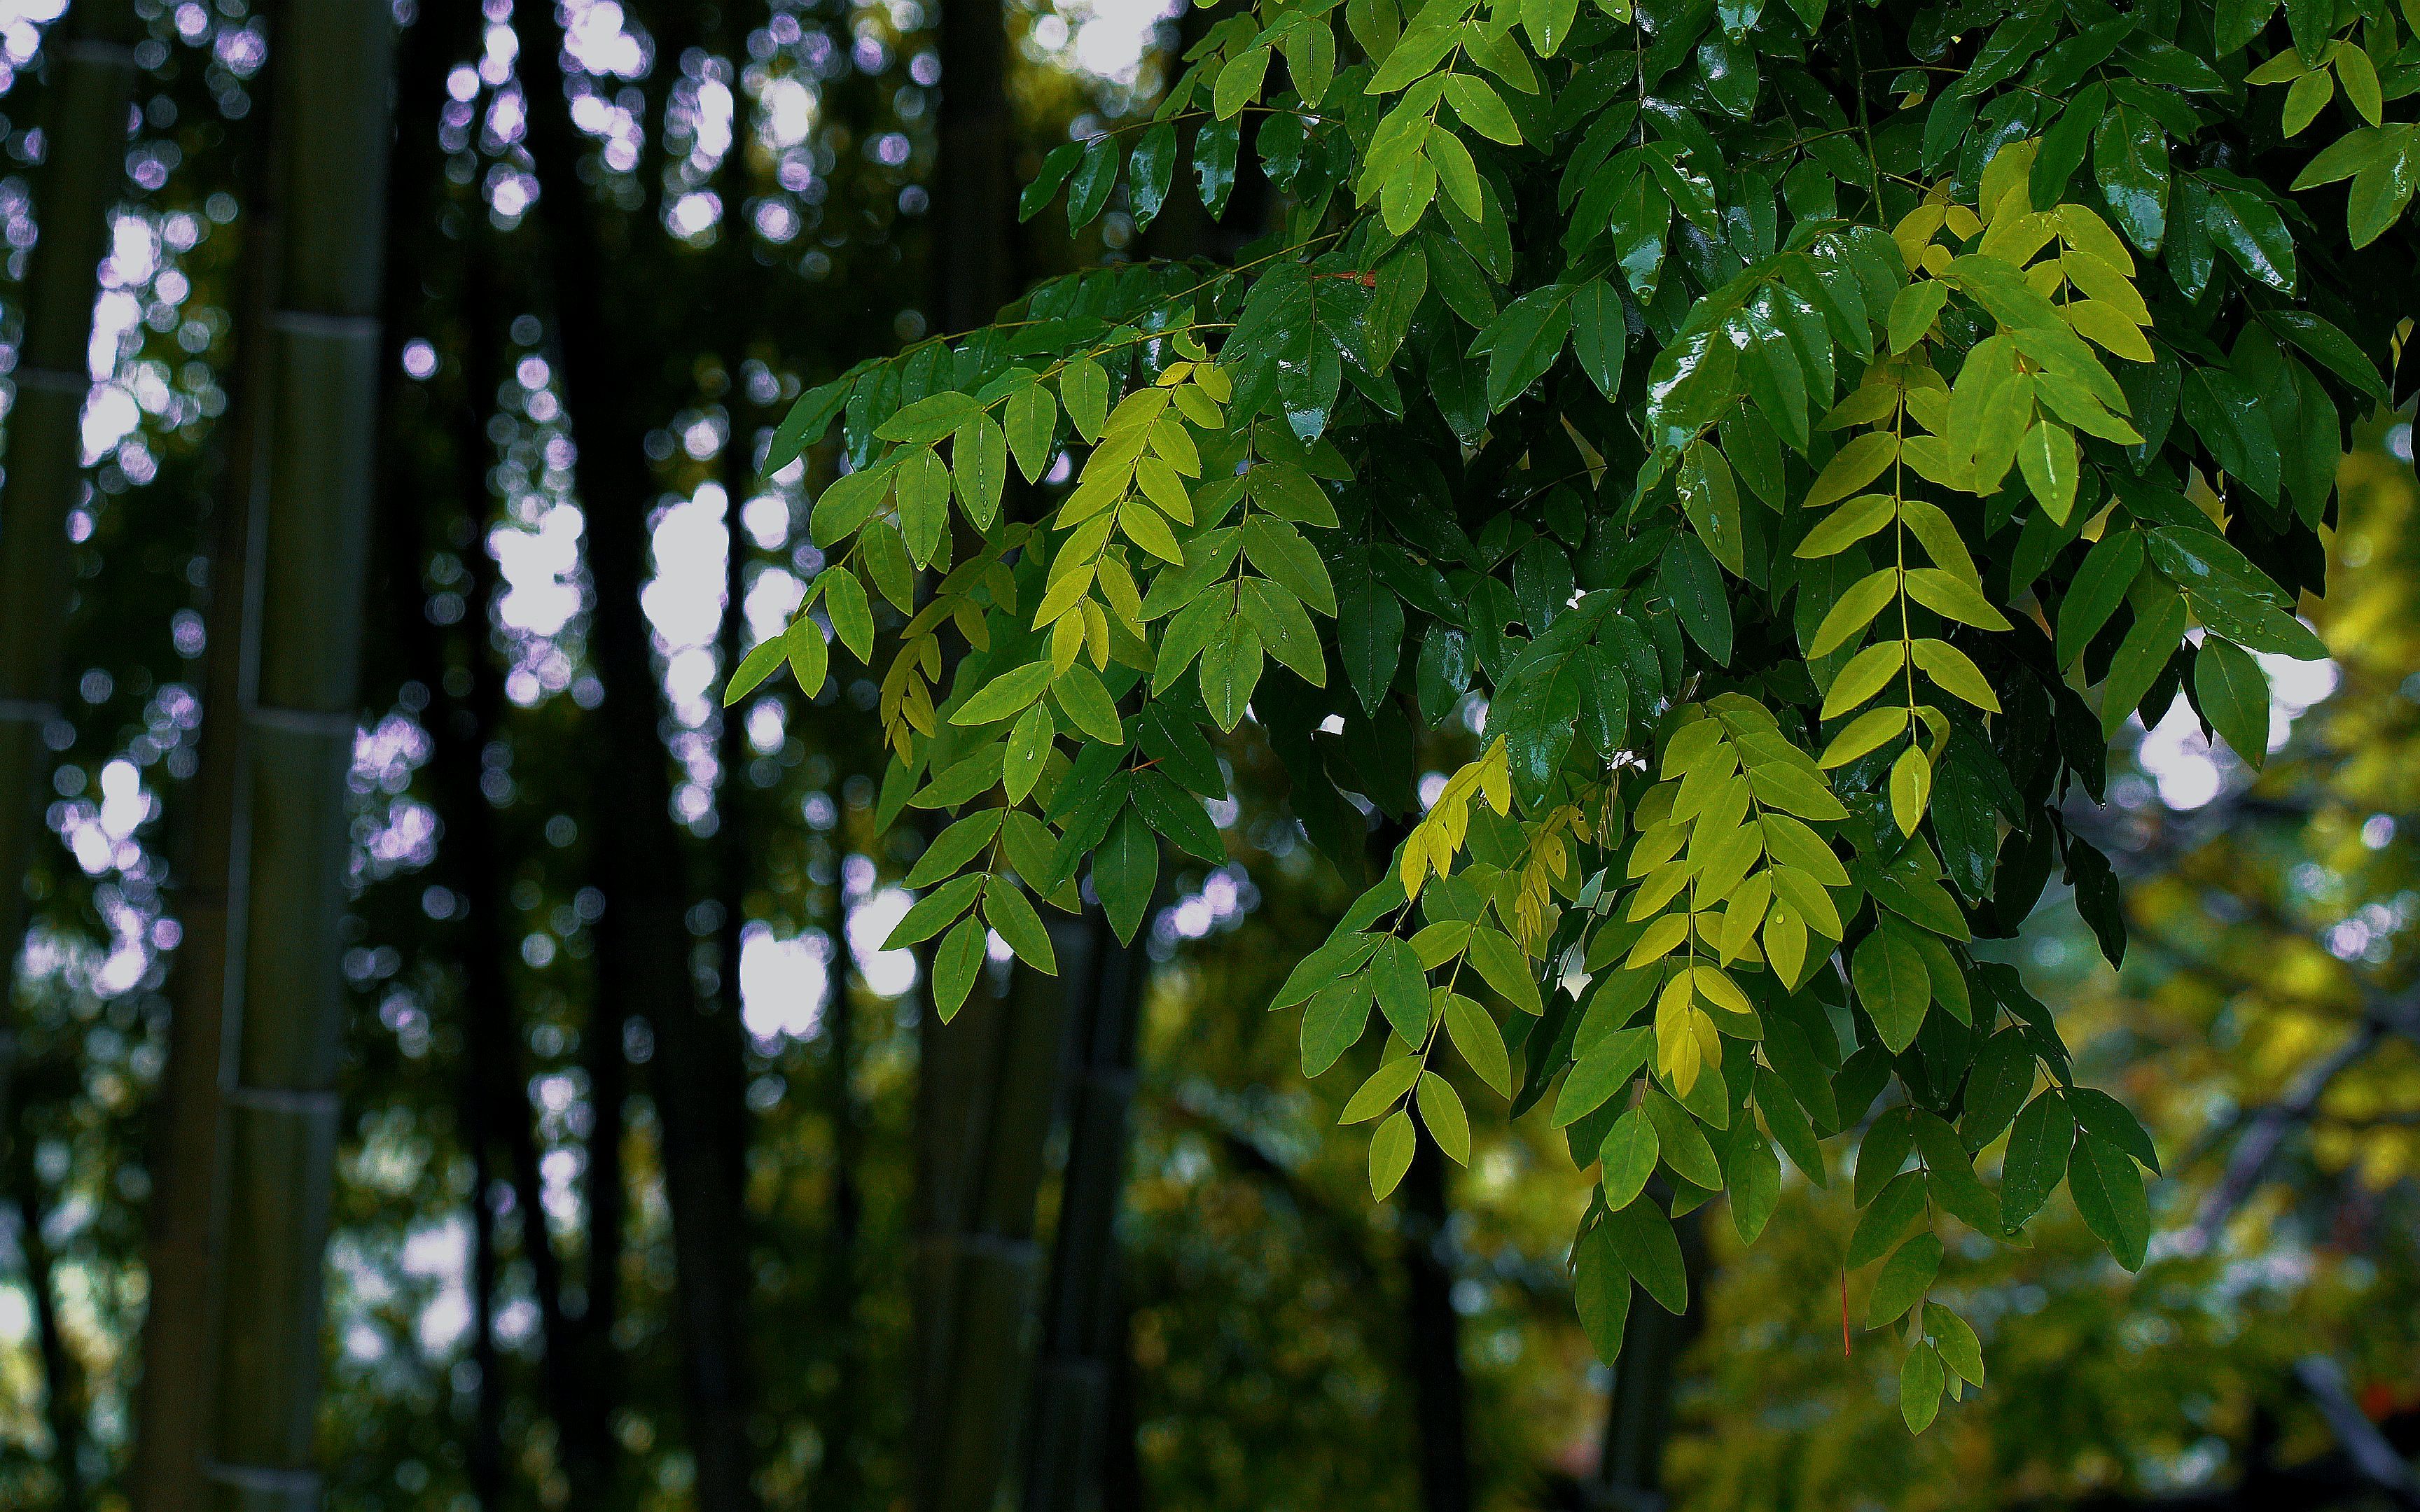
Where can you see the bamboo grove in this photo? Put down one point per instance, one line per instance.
(1795, 438)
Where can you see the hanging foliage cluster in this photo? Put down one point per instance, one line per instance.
(1811, 432)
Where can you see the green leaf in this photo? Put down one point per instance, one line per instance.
(1456, 174)
(2108, 1189)
(1524, 342)
(1402, 280)
(921, 481)
(1601, 1072)
(2332, 347)
(1860, 462)
(1600, 1287)
(1693, 580)
(1946, 593)
(2239, 21)
(852, 617)
(1280, 551)
(1007, 694)
(1642, 1237)
(1231, 669)
(1390, 1154)
(1406, 195)
(2066, 145)
(2037, 1157)
(2383, 189)
(1480, 1044)
(1921, 1384)
(1853, 610)
(1627, 1157)
(2100, 586)
(979, 468)
(935, 911)
(1913, 312)
(1239, 83)
(1893, 985)
(1503, 967)
(1752, 1174)
(1906, 1276)
(2249, 229)
(1901, 1203)
(929, 419)
(1548, 23)
(2358, 77)
(1006, 911)
(1056, 165)
(956, 963)
(1960, 1350)
(1887, 1143)
(2130, 158)
(1149, 172)
(1285, 631)
(954, 848)
(1310, 60)
(2159, 626)
(1088, 190)
(1997, 1087)
(2233, 693)
(2111, 1121)
(1481, 108)
(1029, 750)
(1214, 164)
(1325, 966)
(1369, 636)
(846, 503)
(1033, 418)
(1683, 1143)
(1178, 815)
(1288, 492)
(1125, 868)
(754, 668)
(805, 423)
(1386, 1085)
(1598, 335)
(1086, 700)
(1402, 989)
(1084, 389)
(1441, 1111)
(2047, 456)
(1334, 1022)
(2309, 95)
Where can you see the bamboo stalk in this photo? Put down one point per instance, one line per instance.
(82, 173)
(332, 61)
(493, 1036)
(1433, 1335)
(1083, 1325)
(187, 1155)
(642, 956)
(984, 1093)
(974, 240)
(984, 1098)
(456, 733)
(1638, 1409)
(840, 1483)
(62, 1381)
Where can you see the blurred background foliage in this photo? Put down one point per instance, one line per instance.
(768, 171)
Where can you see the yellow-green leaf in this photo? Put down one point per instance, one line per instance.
(1865, 733)
(1956, 673)
(1854, 610)
(1868, 673)
(1441, 1109)
(1858, 464)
